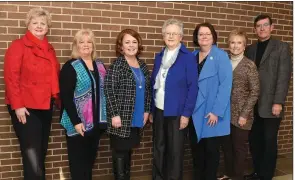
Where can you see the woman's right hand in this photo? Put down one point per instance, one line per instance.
(80, 129)
(116, 122)
(21, 114)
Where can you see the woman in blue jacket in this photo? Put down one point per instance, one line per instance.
(174, 86)
(211, 116)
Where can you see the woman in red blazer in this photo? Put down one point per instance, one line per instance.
(31, 73)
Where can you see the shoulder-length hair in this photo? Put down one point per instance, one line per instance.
(77, 38)
(119, 41)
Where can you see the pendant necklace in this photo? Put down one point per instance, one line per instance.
(139, 79)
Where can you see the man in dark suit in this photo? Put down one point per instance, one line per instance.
(273, 60)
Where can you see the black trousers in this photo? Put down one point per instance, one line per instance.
(82, 152)
(33, 139)
(235, 152)
(263, 145)
(168, 142)
(227, 148)
(205, 155)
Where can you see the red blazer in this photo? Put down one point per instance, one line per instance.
(30, 74)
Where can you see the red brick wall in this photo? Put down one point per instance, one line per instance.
(106, 19)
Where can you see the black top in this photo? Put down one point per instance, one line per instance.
(261, 46)
(67, 83)
(201, 64)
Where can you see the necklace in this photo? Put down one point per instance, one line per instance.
(138, 78)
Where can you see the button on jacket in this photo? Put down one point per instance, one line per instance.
(30, 74)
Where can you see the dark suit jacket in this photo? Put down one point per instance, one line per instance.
(274, 75)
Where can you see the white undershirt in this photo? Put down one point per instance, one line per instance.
(160, 93)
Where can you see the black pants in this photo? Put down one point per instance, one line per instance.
(168, 142)
(33, 139)
(235, 152)
(263, 145)
(82, 152)
(205, 155)
(227, 148)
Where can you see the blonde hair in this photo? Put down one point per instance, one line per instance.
(173, 22)
(77, 38)
(37, 12)
(238, 32)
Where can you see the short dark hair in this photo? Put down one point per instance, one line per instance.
(262, 16)
(119, 42)
(208, 25)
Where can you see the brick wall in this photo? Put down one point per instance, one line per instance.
(106, 19)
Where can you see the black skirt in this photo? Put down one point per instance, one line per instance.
(119, 143)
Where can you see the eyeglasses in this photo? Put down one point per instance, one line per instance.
(260, 25)
(171, 34)
(203, 35)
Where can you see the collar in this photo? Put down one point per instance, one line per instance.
(30, 40)
(183, 49)
(263, 42)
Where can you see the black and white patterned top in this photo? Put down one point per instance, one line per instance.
(120, 91)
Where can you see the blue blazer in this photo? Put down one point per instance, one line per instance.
(215, 83)
(181, 83)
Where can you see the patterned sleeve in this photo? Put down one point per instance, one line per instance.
(253, 83)
(147, 104)
(110, 85)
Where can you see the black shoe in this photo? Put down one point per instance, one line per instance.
(253, 176)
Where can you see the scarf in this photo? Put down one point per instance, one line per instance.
(166, 64)
(46, 48)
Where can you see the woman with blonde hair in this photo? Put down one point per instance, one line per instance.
(83, 111)
(31, 72)
(244, 95)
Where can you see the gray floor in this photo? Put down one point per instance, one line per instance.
(284, 169)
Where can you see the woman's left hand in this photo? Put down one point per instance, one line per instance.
(212, 119)
(145, 118)
(183, 122)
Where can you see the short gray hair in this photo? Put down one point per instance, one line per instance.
(173, 22)
(37, 12)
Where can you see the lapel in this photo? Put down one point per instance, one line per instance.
(209, 68)
(269, 48)
(36, 50)
(254, 49)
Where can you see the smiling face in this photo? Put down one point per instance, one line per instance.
(205, 37)
(172, 36)
(237, 44)
(129, 45)
(38, 26)
(85, 46)
(263, 29)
